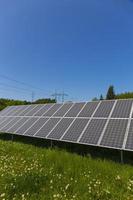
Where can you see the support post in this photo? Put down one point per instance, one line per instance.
(12, 137)
(122, 158)
(51, 144)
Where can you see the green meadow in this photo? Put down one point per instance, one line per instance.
(36, 173)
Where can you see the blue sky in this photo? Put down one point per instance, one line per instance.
(77, 46)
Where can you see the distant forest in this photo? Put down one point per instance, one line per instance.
(112, 95)
(9, 102)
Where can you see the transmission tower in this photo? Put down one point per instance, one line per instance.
(61, 95)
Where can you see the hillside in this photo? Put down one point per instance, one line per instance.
(29, 172)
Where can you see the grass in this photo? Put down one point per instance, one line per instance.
(29, 172)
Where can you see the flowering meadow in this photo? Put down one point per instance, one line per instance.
(29, 172)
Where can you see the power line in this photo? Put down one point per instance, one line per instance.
(57, 95)
(14, 87)
(20, 82)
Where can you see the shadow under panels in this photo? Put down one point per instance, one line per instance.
(122, 109)
(114, 133)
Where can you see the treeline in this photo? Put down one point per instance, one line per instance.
(112, 95)
(10, 102)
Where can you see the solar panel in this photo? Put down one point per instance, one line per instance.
(88, 109)
(114, 134)
(5, 122)
(75, 110)
(104, 109)
(93, 131)
(28, 109)
(61, 112)
(25, 126)
(48, 126)
(122, 109)
(19, 109)
(43, 110)
(17, 125)
(12, 111)
(2, 119)
(36, 126)
(53, 109)
(5, 111)
(129, 143)
(34, 110)
(8, 125)
(103, 123)
(60, 128)
(75, 130)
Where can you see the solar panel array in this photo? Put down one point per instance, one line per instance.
(102, 123)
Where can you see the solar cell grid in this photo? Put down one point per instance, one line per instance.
(28, 109)
(5, 122)
(75, 130)
(114, 133)
(34, 110)
(12, 111)
(104, 109)
(36, 126)
(2, 119)
(93, 131)
(19, 110)
(53, 109)
(75, 110)
(48, 126)
(61, 112)
(25, 126)
(122, 109)
(19, 123)
(60, 128)
(44, 109)
(8, 125)
(5, 111)
(88, 109)
(129, 143)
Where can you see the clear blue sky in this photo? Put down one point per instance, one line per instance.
(77, 46)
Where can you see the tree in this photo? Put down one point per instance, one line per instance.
(110, 93)
(43, 101)
(95, 99)
(101, 97)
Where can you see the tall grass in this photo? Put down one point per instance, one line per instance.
(29, 172)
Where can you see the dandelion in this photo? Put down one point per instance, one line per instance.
(67, 186)
(2, 195)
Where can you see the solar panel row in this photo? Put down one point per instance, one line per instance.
(101, 123)
(122, 109)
